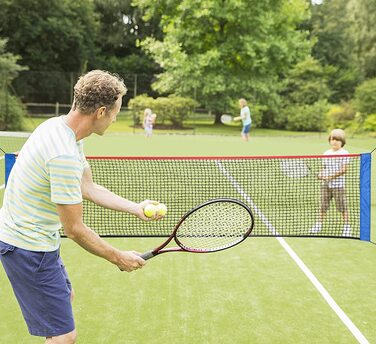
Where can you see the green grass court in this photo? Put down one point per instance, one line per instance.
(253, 293)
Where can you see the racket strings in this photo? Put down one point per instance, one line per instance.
(226, 119)
(214, 227)
(294, 168)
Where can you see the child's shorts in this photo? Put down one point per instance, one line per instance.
(338, 194)
(246, 129)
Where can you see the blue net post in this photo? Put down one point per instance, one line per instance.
(10, 160)
(365, 196)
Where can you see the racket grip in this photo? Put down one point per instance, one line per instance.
(147, 255)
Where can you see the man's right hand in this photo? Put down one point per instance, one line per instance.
(129, 261)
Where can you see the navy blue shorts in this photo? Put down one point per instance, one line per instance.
(42, 288)
(246, 128)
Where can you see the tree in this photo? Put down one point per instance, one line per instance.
(307, 83)
(362, 16)
(11, 111)
(305, 97)
(330, 29)
(9, 68)
(52, 35)
(215, 51)
(121, 27)
(53, 38)
(365, 98)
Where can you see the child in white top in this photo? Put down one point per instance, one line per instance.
(333, 181)
(148, 122)
(245, 117)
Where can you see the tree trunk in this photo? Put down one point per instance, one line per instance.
(217, 119)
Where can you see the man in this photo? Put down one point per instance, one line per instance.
(45, 190)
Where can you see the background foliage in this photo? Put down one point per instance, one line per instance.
(282, 56)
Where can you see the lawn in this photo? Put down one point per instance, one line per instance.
(254, 293)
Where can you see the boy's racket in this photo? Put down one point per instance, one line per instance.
(212, 226)
(295, 168)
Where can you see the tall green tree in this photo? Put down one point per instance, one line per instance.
(11, 111)
(53, 35)
(330, 28)
(9, 67)
(53, 38)
(362, 16)
(218, 50)
(121, 27)
(305, 97)
(307, 83)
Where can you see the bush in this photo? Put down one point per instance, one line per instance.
(305, 117)
(365, 98)
(307, 83)
(370, 123)
(138, 105)
(173, 109)
(341, 116)
(11, 112)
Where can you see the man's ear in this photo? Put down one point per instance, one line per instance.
(101, 112)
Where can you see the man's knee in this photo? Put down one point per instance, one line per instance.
(71, 337)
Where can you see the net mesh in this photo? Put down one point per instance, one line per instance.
(284, 193)
(10, 142)
(215, 226)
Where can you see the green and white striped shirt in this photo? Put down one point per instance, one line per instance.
(48, 171)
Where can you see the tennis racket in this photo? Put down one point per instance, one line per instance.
(225, 119)
(212, 226)
(295, 168)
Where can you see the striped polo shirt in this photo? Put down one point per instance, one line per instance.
(48, 171)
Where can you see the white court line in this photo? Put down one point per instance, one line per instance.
(324, 293)
(2, 186)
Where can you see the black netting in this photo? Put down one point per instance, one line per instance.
(284, 193)
(12, 142)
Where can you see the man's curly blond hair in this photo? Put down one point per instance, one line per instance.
(97, 88)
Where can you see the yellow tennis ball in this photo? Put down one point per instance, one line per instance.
(161, 209)
(150, 210)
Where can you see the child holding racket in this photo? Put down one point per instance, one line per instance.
(333, 181)
(245, 117)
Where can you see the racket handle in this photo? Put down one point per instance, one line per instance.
(147, 255)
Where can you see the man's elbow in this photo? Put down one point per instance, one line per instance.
(73, 231)
(87, 193)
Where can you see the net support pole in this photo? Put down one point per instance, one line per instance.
(10, 160)
(365, 196)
